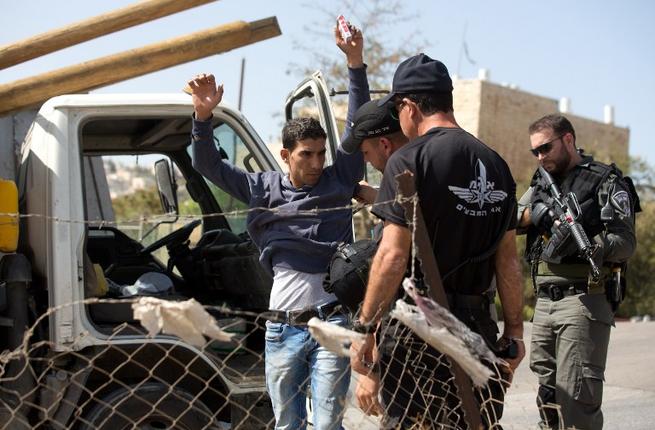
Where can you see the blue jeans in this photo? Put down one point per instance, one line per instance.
(294, 358)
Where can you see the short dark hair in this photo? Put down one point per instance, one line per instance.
(431, 103)
(558, 123)
(301, 128)
(397, 137)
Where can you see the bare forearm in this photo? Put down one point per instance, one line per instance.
(386, 272)
(510, 285)
(524, 218)
(523, 212)
(355, 60)
(366, 193)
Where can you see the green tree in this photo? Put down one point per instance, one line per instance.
(384, 47)
(643, 176)
(640, 298)
(141, 203)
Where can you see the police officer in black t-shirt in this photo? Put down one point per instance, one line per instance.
(467, 197)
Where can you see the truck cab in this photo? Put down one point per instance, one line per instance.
(113, 210)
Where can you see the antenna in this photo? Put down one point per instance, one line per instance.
(461, 49)
(243, 68)
(464, 50)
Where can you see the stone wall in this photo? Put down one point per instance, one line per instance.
(466, 102)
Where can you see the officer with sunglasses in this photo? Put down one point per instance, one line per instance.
(573, 313)
(467, 198)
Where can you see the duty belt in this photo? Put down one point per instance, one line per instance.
(558, 292)
(302, 316)
(580, 271)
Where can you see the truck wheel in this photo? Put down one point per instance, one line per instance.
(150, 406)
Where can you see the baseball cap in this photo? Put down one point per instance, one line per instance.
(370, 120)
(419, 74)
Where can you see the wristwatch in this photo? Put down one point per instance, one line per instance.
(363, 328)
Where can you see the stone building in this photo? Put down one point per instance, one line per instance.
(500, 116)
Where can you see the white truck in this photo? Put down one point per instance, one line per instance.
(90, 365)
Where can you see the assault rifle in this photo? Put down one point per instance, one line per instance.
(568, 211)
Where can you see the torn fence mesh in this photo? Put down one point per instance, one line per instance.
(431, 322)
(446, 333)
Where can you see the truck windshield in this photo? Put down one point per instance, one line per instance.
(239, 154)
(133, 202)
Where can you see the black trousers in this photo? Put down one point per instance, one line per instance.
(417, 385)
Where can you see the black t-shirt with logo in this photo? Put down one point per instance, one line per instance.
(466, 192)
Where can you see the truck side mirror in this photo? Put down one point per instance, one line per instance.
(166, 186)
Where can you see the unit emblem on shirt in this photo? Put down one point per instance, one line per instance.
(621, 202)
(480, 192)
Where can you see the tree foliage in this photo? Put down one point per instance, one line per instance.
(643, 176)
(384, 47)
(641, 283)
(640, 298)
(144, 203)
(141, 203)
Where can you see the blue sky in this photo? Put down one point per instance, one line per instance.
(594, 52)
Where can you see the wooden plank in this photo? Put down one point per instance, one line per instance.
(432, 277)
(137, 62)
(110, 22)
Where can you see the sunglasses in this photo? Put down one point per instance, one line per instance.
(544, 148)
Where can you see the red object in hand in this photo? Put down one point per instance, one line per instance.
(344, 29)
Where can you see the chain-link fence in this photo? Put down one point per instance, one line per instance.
(173, 363)
(116, 376)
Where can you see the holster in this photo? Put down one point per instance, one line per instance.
(615, 287)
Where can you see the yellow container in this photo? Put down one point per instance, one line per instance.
(8, 223)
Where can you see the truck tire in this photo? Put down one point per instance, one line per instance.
(151, 405)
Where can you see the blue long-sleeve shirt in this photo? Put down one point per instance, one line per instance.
(286, 238)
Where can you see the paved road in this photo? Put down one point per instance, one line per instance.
(629, 394)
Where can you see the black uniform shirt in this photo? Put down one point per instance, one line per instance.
(466, 193)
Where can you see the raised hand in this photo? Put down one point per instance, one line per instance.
(205, 94)
(365, 193)
(354, 48)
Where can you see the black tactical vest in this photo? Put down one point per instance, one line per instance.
(586, 181)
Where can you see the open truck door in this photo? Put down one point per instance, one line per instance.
(112, 218)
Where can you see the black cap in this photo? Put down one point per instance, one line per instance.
(419, 74)
(370, 120)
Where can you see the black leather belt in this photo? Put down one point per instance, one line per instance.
(558, 292)
(302, 316)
